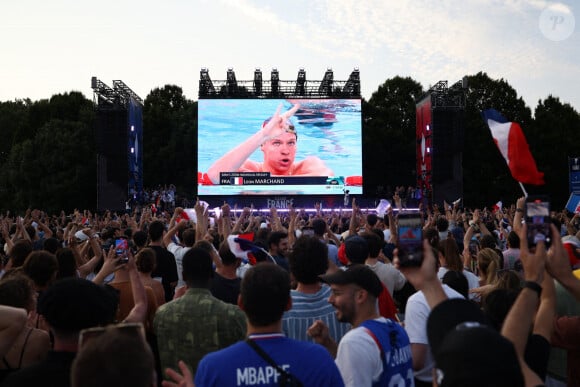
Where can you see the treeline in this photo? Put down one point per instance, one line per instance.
(48, 154)
(389, 140)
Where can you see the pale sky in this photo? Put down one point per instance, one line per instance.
(50, 47)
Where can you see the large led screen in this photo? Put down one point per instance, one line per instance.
(279, 146)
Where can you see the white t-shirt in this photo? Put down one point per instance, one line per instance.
(392, 278)
(358, 358)
(416, 315)
(472, 280)
(178, 251)
(387, 234)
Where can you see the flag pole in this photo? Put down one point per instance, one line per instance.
(523, 189)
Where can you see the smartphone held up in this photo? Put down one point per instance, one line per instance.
(121, 250)
(538, 220)
(410, 239)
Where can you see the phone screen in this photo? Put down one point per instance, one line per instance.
(410, 237)
(121, 247)
(538, 221)
(473, 247)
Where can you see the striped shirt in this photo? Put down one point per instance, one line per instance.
(307, 308)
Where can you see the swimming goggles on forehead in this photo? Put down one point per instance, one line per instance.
(290, 128)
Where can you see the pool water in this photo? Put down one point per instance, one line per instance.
(328, 129)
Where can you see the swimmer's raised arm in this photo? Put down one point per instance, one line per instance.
(235, 158)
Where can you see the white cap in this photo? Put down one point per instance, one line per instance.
(80, 235)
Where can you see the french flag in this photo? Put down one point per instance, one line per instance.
(187, 214)
(237, 180)
(511, 142)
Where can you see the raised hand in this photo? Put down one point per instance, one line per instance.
(278, 124)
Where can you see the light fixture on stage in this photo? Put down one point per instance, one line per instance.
(258, 81)
(205, 84)
(105, 94)
(231, 82)
(259, 87)
(125, 91)
(352, 87)
(326, 84)
(300, 83)
(275, 80)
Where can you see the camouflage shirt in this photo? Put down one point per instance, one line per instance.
(194, 325)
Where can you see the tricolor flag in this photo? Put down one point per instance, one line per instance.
(242, 247)
(237, 180)
(187, 214)
(497, 206)
(512, 144)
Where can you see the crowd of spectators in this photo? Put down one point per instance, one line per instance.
(249, 297)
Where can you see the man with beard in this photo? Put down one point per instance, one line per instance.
(377, 350)
(277, 139)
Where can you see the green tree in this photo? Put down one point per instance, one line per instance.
(486, 177)
(554, 137)
(15, 125)
(54, 170)
(49, 161)
(169, 121)
(389, 134)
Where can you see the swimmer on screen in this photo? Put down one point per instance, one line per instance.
(277, 139)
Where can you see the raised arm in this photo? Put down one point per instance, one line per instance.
(139, 311)
(225, 222)
(12, 322)
(424, 278)
(240, 221)
(173, 226)
(559, 267)
(519, 215)
(275, 220)
(292, 226)
(110, 265)
(201, 225)
(5, 234)
(520, 317)
(235, 158)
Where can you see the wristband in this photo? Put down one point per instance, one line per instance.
(533, 286)
(519, 210)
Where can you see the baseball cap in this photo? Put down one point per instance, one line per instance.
(358, 274)
(469, 352)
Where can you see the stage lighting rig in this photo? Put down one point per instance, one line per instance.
(300, 83)
(274, 81)
(258, 82)
(352, 87)
(205, 84)
(299, 87)
(232, 83)
(326, 84)
(125, 92)
(105, 93)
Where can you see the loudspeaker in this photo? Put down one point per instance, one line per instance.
(447, 155)
(112, 158)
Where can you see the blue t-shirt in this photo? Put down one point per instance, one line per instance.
(240, 365)
(395, 353)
